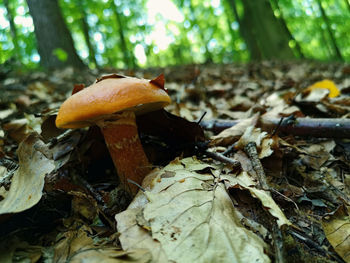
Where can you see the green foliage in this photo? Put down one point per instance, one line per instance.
(204, 31)
(60, 54)
(26, 51)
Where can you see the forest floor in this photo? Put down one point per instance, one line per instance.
(256, 167)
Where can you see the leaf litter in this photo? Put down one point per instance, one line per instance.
(271, 187)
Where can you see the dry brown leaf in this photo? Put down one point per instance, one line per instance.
(337, 230)
(262, 140)
(318, 154)
(79, 246)
(232, 134)
(15, 250)
(243, 180)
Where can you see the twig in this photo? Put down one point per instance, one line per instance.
(139, 186)
(92, 190)
(230, 149)
(278, 244)
(222, 158)
(201, 118)
(252, 152)
(285, 197)
(323, 128)
(309, 242)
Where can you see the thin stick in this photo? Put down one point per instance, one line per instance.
(322, 128)
(222, 158)
(252, 152)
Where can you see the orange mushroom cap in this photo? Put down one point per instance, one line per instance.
(110, 95)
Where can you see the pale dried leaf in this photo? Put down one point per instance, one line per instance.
(231, 135)
(262, 140)
(243, 180)
(133, 236)
(28, 181)
(192, 217)
(79, 246)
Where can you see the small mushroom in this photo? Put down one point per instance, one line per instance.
(111, 103)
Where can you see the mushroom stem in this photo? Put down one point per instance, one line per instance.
(125, 148)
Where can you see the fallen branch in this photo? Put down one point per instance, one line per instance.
(323, 128)
(251, 151)
(222, 158)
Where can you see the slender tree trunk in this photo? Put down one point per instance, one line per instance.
(229, 21)
(86, 30)
(286, 29)
(271, 37)
(52, 35)
(13, 30)
(128, 57)
(247, 33)
(347, 3)
(325, 43)
(232, 32)
(208, 56)
(330, 32)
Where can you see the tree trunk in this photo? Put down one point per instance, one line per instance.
(229, 21)
(347, 3)
(246, 33)
(55, 44)
(13, 30)
(208, 56)
(286, 29)
(330, 32)
(324, 41)
(129, 59)
(86, 29)
(268, 33)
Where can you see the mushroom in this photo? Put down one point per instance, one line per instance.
(112, 103)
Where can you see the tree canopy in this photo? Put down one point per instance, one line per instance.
(146, 33)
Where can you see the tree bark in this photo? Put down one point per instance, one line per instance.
(286, 29)
(269, 34)
(208, 56)
(13, 30)
(330, 32)
(247, 33)
(229, 21)
(347, 3)
(86, 33)
(325, 45)
(53, 35)
(129, 59)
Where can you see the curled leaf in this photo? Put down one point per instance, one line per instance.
(28, 181)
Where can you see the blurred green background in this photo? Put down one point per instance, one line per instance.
(149, 33)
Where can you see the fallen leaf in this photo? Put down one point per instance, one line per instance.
(133, 236)
(191, 217)
(28, 181)
(79, 246)
(327, 85)
(243, 180)
(262, 140)
(337, 230)
(232, 134)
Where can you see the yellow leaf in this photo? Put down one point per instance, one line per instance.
(325, 84)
